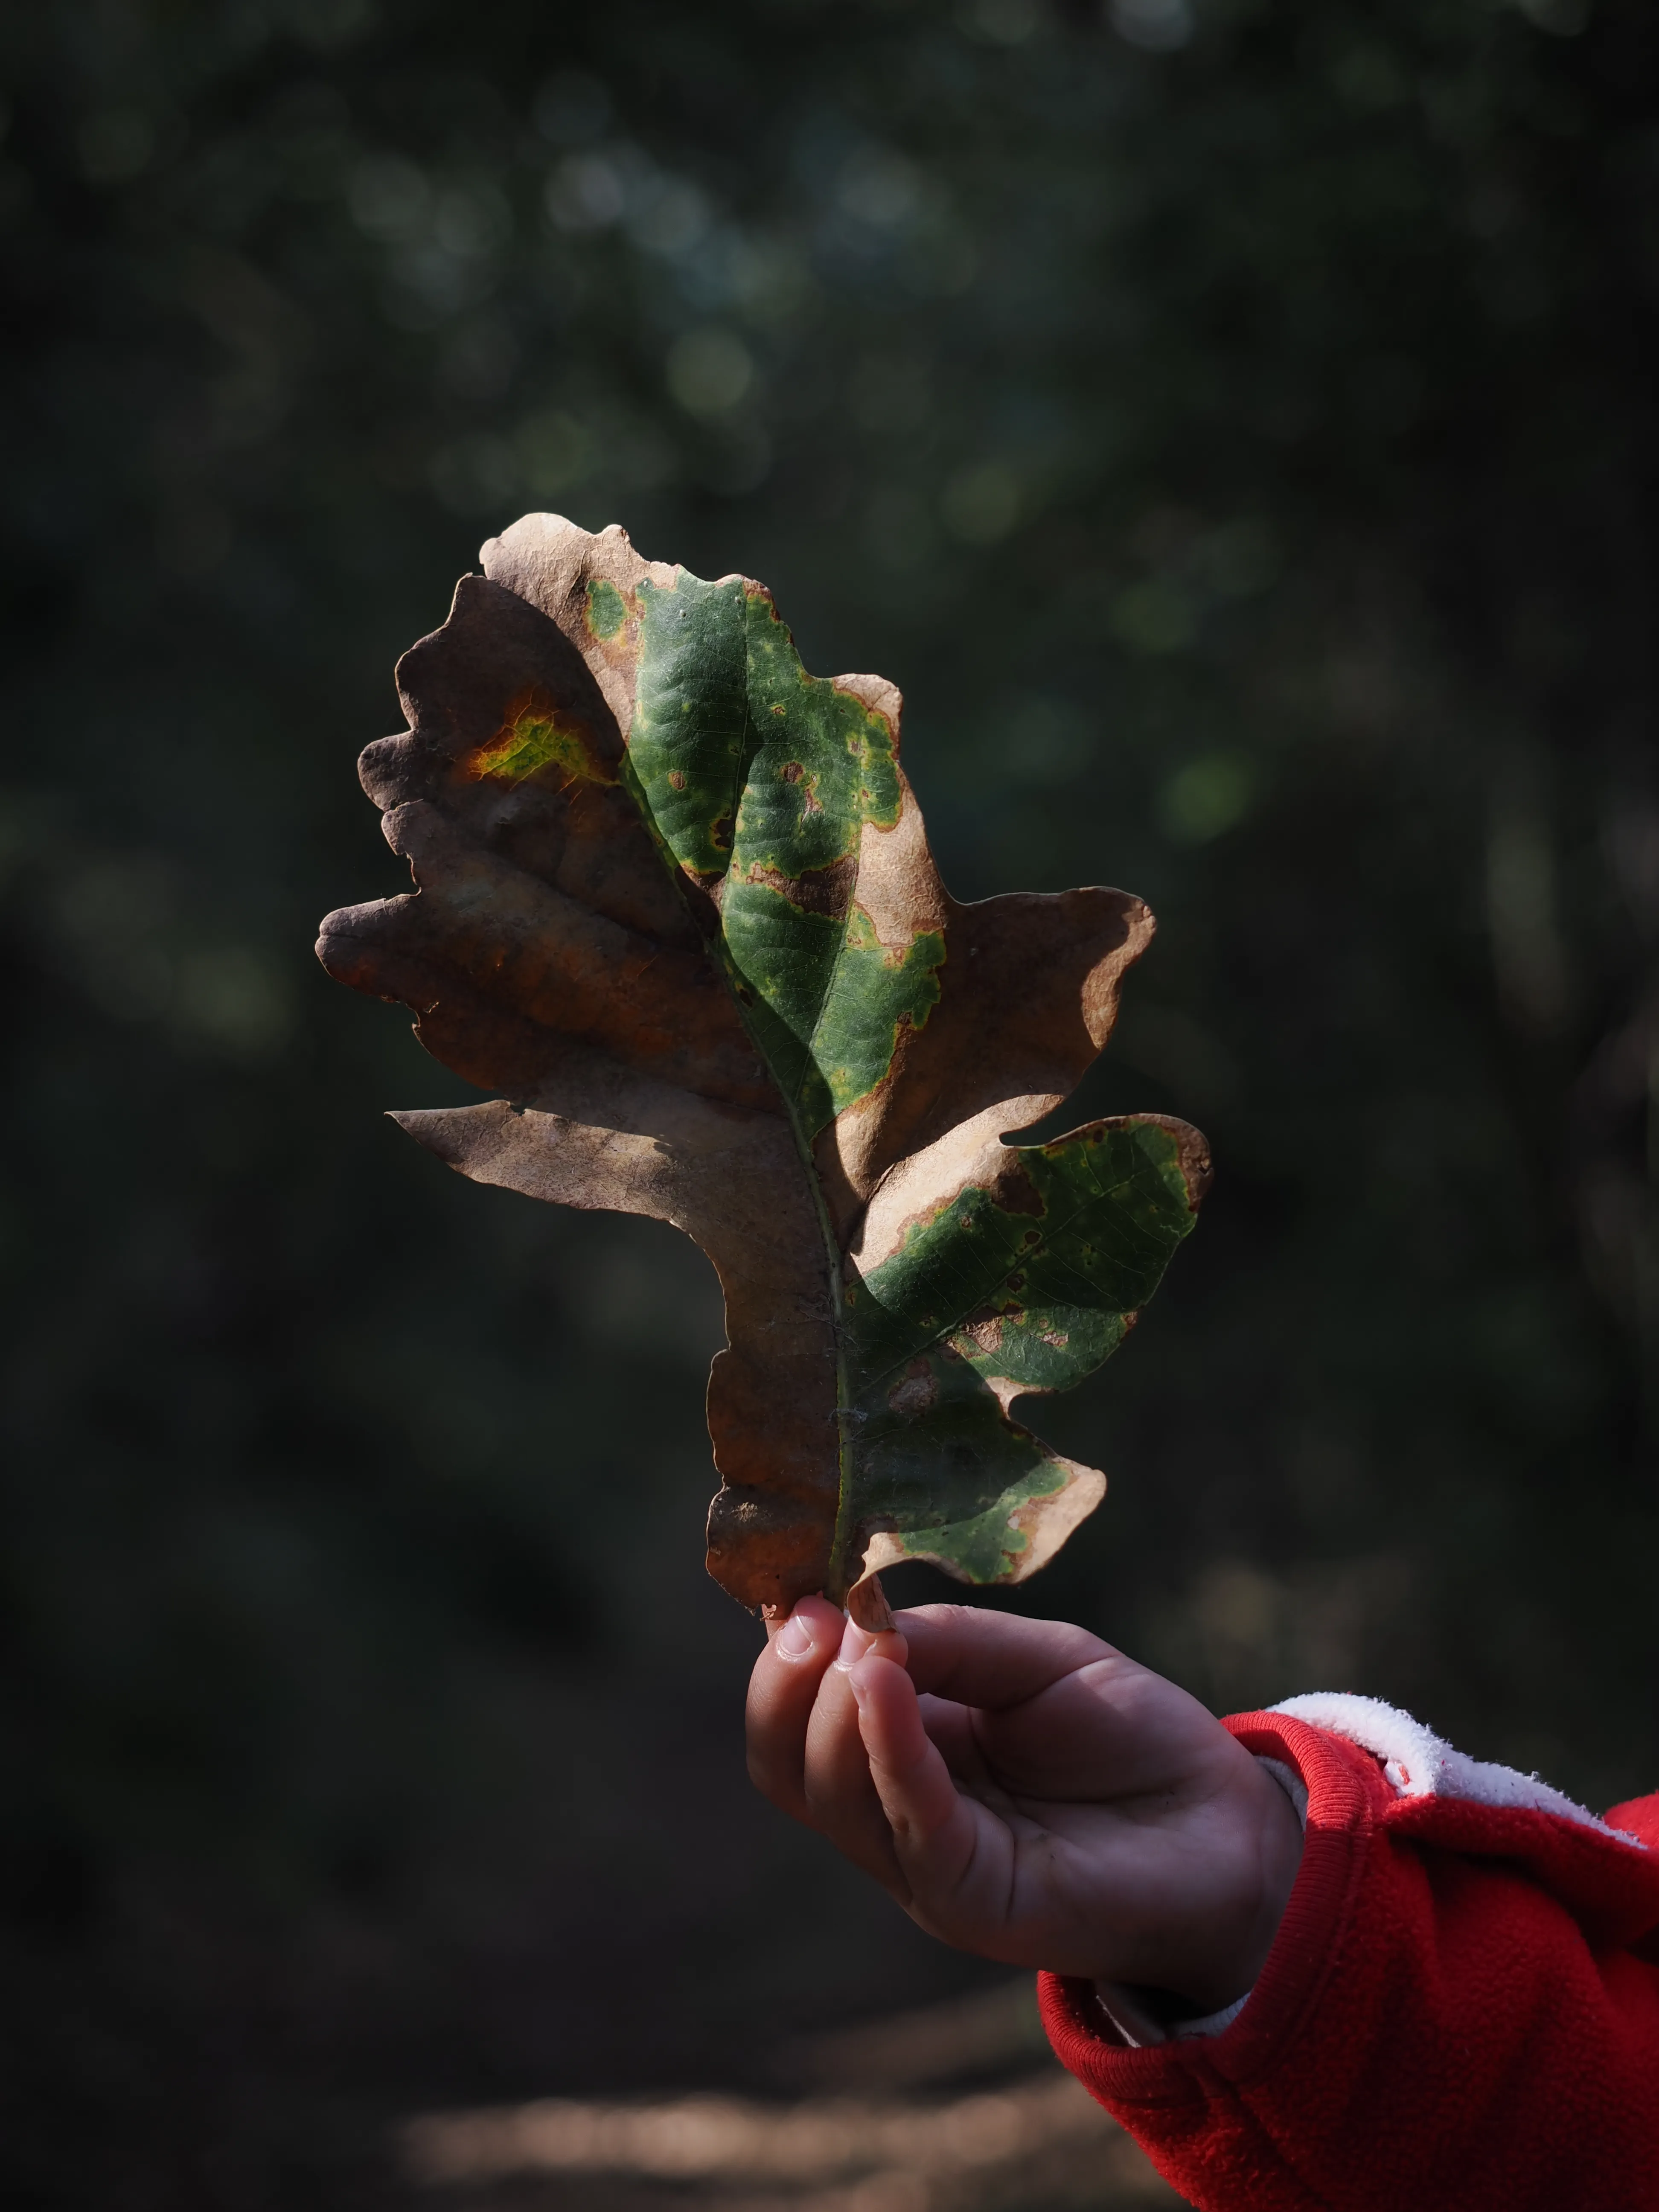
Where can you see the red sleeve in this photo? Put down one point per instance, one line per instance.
(1461, 2013)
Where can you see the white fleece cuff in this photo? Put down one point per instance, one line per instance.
(1419, 1764)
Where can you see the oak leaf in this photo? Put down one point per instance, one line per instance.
(675, 904)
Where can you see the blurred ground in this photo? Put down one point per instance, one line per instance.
(1024, 2135)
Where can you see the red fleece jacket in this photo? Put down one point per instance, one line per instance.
(1460, 2010)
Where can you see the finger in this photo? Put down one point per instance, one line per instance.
(936, 1833)
(781, 1690)
(994, 1660)
(951, 1728)
(840, 1797)
(1108, 1729)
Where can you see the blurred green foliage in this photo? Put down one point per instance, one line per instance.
(1241, 417)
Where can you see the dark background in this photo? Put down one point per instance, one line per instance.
(1232, 423)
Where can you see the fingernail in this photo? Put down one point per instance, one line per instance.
(859, 1689)
(794, 1637)
(856, 1643)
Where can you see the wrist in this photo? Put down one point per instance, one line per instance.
(1271, 1849)
(1209, 1960)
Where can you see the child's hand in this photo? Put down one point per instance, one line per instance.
(1042, 1801)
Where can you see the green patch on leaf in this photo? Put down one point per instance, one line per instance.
(607, 609)
(691, 742)
(983, 1542)
(827, 997)
(1030, 1283)
(534, 735)
(758, 773)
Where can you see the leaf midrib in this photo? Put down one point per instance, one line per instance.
(838, 1581)
(793, 1101)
